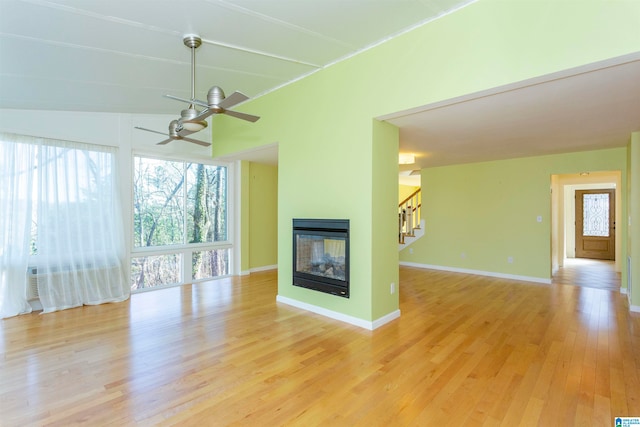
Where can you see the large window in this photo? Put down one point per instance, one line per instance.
(180, 222)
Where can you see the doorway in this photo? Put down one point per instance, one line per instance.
(595, 224)
(563, 213)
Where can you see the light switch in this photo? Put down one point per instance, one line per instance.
(539, 218)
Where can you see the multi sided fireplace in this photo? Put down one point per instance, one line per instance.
(321, 255)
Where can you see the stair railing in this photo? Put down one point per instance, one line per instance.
(409, 214)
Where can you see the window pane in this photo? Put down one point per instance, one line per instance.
(209, 264)
(158, 202)
(151, 271)
(206, 203)
(595, 215)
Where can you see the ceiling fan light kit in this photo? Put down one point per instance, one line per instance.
(192, 120)
(189, 121)
(194, 126)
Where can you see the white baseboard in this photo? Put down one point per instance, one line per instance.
(340, 316)
(258, 269)
(263, 268)
(478, 272)
(632, 308)
(385, 319)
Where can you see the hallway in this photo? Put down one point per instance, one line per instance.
(590, 273)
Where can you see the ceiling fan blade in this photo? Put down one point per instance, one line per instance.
(243, 116)
(166, 141)
(151, 130)
(195, 141)
(233, 99)
(188, 101)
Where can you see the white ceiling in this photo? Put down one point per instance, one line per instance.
(123, 55)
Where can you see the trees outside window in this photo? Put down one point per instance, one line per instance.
(180, 222)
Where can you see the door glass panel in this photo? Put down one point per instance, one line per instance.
(595, 215)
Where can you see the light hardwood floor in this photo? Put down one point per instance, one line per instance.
(467, 350)
(592, 273)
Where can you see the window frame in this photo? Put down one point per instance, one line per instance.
(186, 250)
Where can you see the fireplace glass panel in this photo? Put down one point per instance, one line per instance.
(321, 256)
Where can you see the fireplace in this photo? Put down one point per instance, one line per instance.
(321, 255)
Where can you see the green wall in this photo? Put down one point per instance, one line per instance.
(263, 215)
(478, 215)
(633, 218)
(245, 210)
(385, 214)
(327, 156)
(258, 216)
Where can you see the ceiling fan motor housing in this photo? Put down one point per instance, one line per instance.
(214, 97)
(173, 129)
(188, 114)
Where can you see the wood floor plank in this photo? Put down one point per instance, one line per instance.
(467, 350)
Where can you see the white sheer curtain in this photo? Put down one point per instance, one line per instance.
(17, 163)
(76, 252)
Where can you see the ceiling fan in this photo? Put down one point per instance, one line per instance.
(192, 120)
(176, 132)
(216, 103)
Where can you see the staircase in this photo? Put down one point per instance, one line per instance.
(410, 226)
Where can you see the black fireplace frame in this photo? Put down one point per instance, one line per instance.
(322, 227)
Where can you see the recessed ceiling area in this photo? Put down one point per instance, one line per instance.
(593, 107)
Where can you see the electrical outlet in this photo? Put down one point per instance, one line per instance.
(510, 260)
(410, 250)
(392, 288)
(463, 255)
